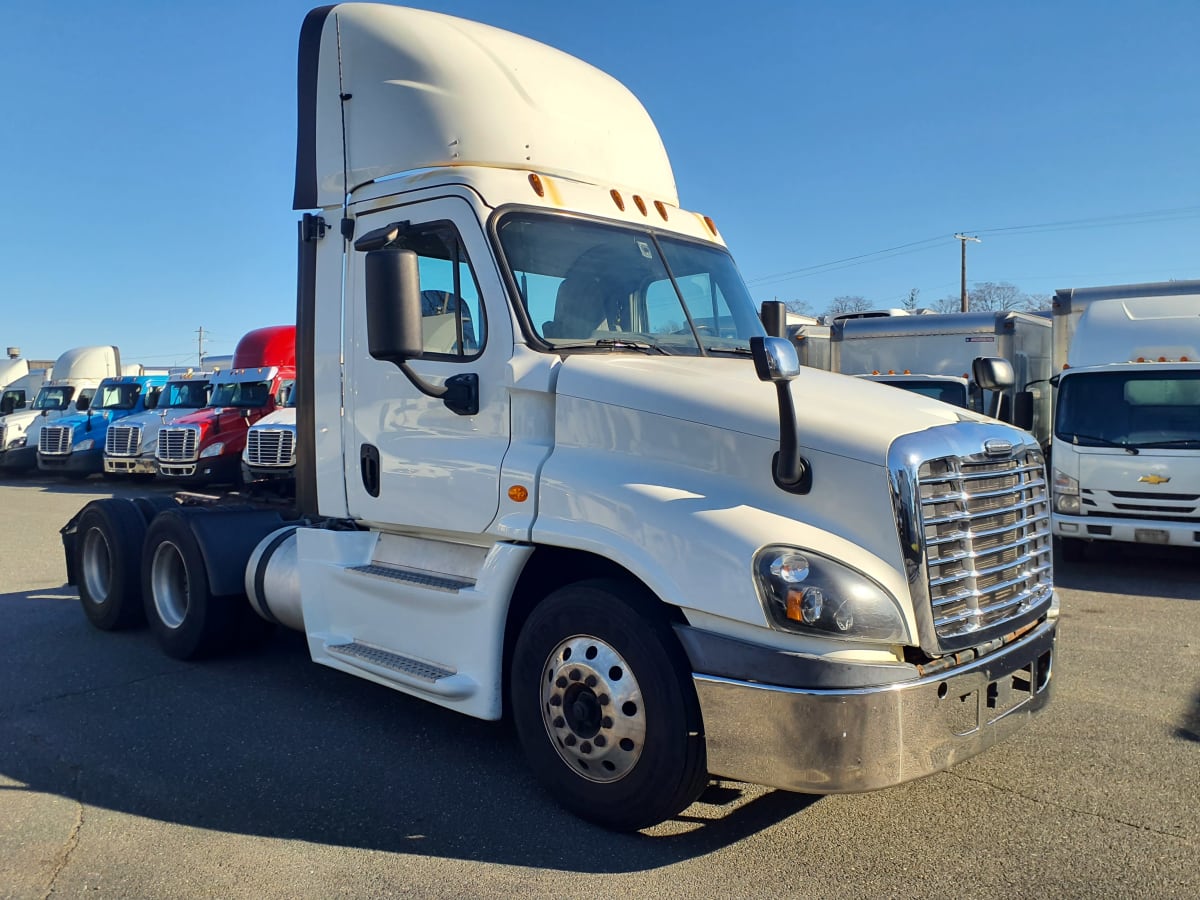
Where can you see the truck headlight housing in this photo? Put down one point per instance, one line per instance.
(17, 443)
(1066, 494)
(85, 444)
(212, 450)
(803, 591)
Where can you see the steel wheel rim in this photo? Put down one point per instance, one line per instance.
(169, 582)
(97, 565)
(592, 708)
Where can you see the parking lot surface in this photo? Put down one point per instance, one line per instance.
(124, 773)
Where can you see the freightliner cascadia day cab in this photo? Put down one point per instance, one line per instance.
(77, 373)
(1126, 451)
(934, 354)
(74, 445)
(270, 454)
(206, 446)
(130, 445)
(551, 466)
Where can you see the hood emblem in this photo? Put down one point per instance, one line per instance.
(994, 447)
(1155, 479)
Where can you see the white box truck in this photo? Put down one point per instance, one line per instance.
(933, 354)
(77, 373)
(551, 466)
(1126, 450)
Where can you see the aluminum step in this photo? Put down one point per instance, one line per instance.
(392, 662)
(424, 579)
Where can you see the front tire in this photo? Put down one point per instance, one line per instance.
(603, 704)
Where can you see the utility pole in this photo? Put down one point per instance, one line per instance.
(200, 347)
(964, 238)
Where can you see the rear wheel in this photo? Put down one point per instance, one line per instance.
(108, 556)
(604, 706)
(187, 620)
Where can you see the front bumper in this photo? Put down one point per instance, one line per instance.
(224, 469)
(845, 740)
(1128, 531)
(83, 462)
(130, 465)
(20, 458)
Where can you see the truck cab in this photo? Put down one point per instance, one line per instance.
(270, 453)
(131, 443)
(1126, 452)
(206, 446)
(74, 445)
(77, 373)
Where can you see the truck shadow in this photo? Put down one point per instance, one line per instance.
(268, 744)
(1113, 568)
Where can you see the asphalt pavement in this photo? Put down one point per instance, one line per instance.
(124, 773)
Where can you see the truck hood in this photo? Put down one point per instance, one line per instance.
(838, 414)
(1152, 473)
(281, 417)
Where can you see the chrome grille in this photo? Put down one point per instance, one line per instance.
(123, 440)
(54, 440)
(271, 447)
(177, 444)
(3, 437)
(986, 530)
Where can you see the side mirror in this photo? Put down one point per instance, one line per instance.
(774, 318)
(393, 284)
(152, 399)
(394, 334)
(775, 360)
(7, 405)
(82, 404)
(993, 373)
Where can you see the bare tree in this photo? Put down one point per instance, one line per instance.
(800, 307)
(910, 302)
(994, 296)
(847, 304)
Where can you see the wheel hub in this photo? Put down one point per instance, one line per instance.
(592, 709)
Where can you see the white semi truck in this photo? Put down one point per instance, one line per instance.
(552, 467)
(20, 393)
(933, 354)
(77, 373)
(1126, 451)
(269, 456)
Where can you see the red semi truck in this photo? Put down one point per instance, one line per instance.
(206, 446)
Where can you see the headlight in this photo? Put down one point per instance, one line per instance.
(85, 444)
(17, 444)
(805, 592)
(212, 450)
(1066, 494)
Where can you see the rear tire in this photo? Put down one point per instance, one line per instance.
(603, 704)
(108, 562)
(186, 619)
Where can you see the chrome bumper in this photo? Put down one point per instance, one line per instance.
(844, 741)
(130, 465)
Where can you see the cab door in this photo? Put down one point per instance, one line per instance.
(410, 461)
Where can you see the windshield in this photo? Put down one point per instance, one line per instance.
(247, 394)
(587, 284)
(185, 395)
(1140, 409)
(118, 396)
(54, 398)
(950, 392)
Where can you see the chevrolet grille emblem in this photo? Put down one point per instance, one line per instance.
(1155, 479)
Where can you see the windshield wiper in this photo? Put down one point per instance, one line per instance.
(1105, 442)
(1174, 442)
(739, 351)
(615, 344)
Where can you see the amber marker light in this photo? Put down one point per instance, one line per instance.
(640, 204)
(712, 226)
(518, 494)
(617, 199)
(662, 209)
(536, 183)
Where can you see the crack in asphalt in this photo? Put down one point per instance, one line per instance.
(66, 695)
(1183, 839)
(72, 841)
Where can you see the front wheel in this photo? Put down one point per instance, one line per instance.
(603, 703)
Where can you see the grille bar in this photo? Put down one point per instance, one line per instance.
(984, 513)
(54, 440)
(957, 536)
(975, 476)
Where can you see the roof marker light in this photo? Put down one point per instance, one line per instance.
(662, 209)
(712, 226)
(536, 183)
(618, 199)
(640, 204)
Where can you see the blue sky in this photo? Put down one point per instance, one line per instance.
(148, 146)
